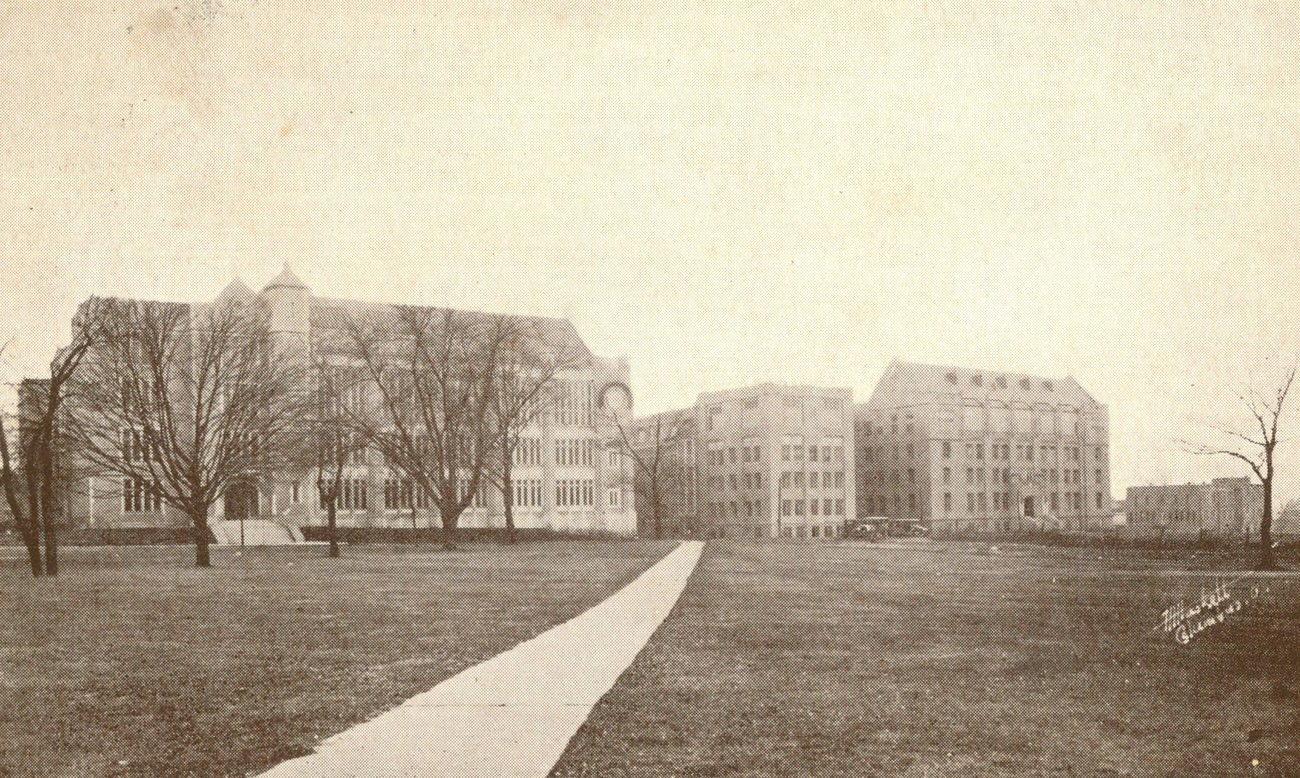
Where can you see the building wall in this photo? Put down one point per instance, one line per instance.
(750, 462)
(1225, 507)
(969, 450)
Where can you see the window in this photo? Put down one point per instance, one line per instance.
(839, 506)
(137, 446)
(140, 496)
(947, 475)
(947, 502)
(947, 450)
(813, 508)
(839, 479)
(295, 493)
(1098, 500)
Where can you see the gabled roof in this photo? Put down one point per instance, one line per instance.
(911, 383)
(328, 313)
(236, 291)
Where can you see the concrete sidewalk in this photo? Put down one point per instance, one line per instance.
(514, 714)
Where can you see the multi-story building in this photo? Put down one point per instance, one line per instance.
(1224, 507)
(569, 470)
(967, 450)
(763, 461)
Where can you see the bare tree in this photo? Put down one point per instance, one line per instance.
(1256, 448)
(184, 403)
(434, 373)
(656, 461)
(331, 441)
(529, 361)
(42, 442)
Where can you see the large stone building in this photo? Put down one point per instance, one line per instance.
(763, 461)
(1224, 507)
(569, 472)
(967, 450)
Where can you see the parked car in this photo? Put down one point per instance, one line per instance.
(908, 529)
(870, 528)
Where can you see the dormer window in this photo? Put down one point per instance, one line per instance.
(1025, 384)
(977, 380)
(1047, 385)
(952, 378)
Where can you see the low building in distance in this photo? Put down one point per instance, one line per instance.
(762, 461)
(1224, 507)
(970, 450)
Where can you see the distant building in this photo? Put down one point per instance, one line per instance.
(569, 472)
(1224, 507)
(763, 461)
(1287, 520)
(968, 450)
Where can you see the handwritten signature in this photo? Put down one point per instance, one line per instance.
(1185, 621)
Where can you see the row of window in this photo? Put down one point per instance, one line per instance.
(1024, 453)
(824, 507)
(574, 403)
(575, 452)
(815, 479)
(528, 451)
(575, 493)
(881, 504)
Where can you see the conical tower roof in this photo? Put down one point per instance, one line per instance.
(286, 279)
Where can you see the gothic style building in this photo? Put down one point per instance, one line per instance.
(569, 471)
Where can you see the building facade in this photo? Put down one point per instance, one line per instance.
(570, 472)
(763, 461)
(1224, 507)
(966, 450)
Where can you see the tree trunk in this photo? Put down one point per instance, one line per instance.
(33, 544)
(331, 522)
(656, 512)
(449, 531)
(1266, 561)
(47, 521)
(47, 516)
(199, 518)
(507, 492)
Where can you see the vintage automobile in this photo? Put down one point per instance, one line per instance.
(869, 528)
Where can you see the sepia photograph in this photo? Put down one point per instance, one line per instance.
(576, 389)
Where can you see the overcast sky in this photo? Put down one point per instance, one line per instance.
(726, 193)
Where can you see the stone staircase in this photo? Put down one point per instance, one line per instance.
(257, 532)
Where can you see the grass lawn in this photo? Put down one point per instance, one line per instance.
(133, 662)
(946, 659)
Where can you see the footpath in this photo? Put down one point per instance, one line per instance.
(513, 714)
